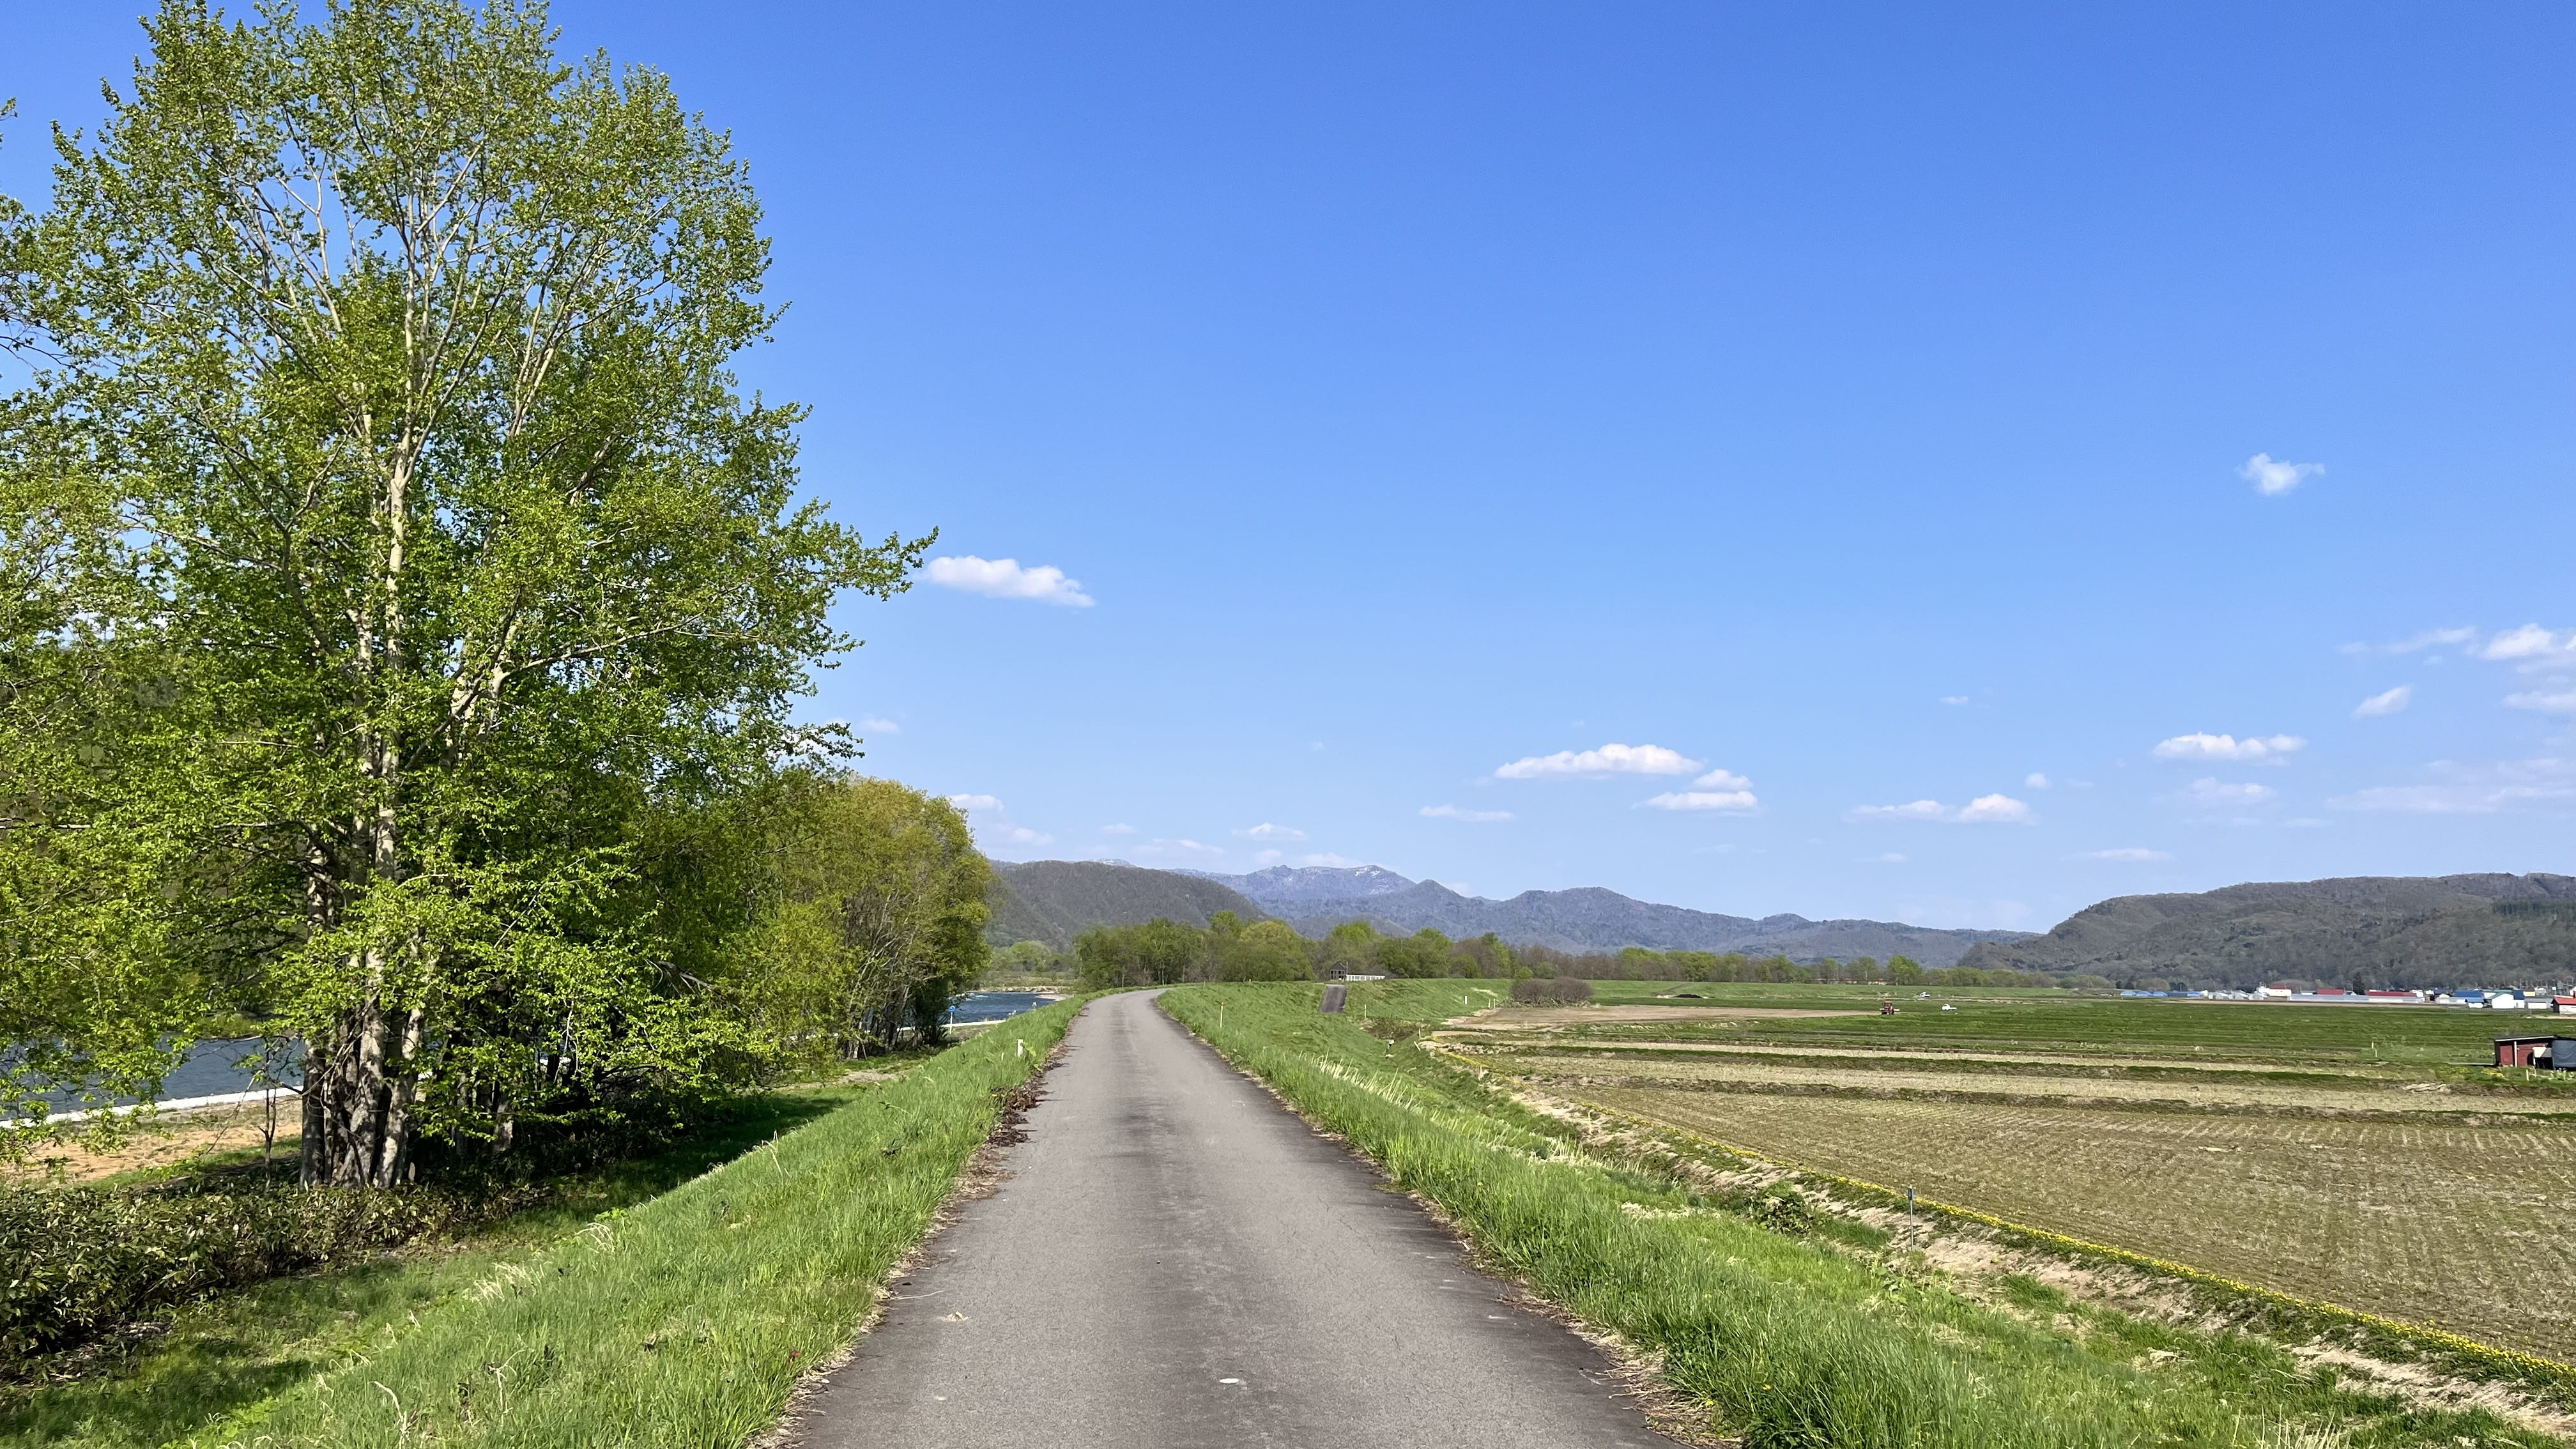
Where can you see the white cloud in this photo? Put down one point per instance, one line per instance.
(2531, 646)
(1179, 846)
(2559, 702)
(1003, 578)
(1994, 810)
(2387, 702)
(1608, 760)
(1267, 831)
(2479, 789)
(2274, 750)
(2272, 478)
(2424, 639)
(2034, 781)
(974, 802)
(1721, 780)
(1327, 858)
(2212, 794)
(1890, 858)
(1733, 802)
(1117, 829)
(879, 725)
(1268, 857)
(2127, 852)
(1453, 812)
(1917, 810)
(1954, 699)
(1022, 835)
(1984, 810)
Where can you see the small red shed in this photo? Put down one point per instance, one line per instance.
(2527, 1051)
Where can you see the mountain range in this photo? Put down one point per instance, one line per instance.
(2452, 930)
(1052, 901)
(2458, 930)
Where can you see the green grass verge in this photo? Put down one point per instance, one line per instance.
(687, 1319)
(1786, 1338)
(2002, 1017)
(204, 1360)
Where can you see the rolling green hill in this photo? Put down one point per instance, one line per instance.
(2454, 930)
(1052, 901)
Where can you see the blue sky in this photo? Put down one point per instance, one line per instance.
(1845, 407)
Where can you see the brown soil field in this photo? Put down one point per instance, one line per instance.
(178, 1138)
(2461, 1228)
(1755, 1073)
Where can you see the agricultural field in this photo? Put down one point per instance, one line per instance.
(2006, 1019)
(2458, 1228)
(1788, 1308)
(2364, 1157)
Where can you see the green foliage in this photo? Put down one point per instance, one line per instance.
(1022, 958)
(1162, 952)
(684, 1322)
(1486, 957)
(1266, 951)
(1424, 953)
(87, 1261)
(1158, 952)
(1560, 990)
(1348, 949)
(387, 558)
(870, 914)
(161, 1379)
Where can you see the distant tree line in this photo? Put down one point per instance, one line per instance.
(1166, 952)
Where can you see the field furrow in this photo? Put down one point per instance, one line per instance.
(2456, 1227)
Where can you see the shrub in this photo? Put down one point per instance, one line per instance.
(85, 1261)
(1783, 1210)
(1562, 990)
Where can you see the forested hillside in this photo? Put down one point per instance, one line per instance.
(2378, 930)
(1053, 901)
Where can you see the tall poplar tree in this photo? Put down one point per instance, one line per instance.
(382, 538)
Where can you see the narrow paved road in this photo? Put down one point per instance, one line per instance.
(1176, 1260)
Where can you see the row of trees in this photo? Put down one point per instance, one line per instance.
(401, 605)
(1163, 952)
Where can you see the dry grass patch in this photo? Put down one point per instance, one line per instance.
(2199, 1090)
(2463, 1228)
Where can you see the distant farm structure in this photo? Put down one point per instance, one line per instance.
(2546, 1053)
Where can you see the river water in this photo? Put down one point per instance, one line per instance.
(216, 1068)
(993, 1005)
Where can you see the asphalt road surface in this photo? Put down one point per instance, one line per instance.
(1177, 1260)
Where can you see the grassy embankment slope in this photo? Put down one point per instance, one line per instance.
(1817, 1335)
(684, 1320)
